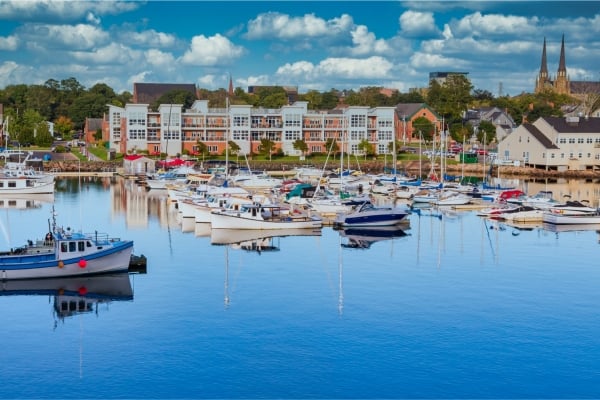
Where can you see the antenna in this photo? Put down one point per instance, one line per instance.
(500, 89)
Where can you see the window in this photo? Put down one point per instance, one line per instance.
(63, 247)
(293, 120)
(571, 140)
(358, 121)
(580, 140)
(213, 149)
(81, 246)
(562, 141)
(72, 247)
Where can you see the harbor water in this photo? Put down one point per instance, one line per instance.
(454, 306)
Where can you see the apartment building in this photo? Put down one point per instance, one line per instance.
(173, 130)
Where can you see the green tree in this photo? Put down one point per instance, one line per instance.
(452, 98)
(63, 126)
(234, 148)
(460, 132)
(301, 145)
(98, 135)
(177, 96)
(266, 147)
(202, 149)
(43, 138)
(423, 128)
(366, 148)
(332, 147)
(486, 132)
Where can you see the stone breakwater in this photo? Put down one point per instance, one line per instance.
(372, 167)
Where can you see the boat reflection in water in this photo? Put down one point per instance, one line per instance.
(76, 295)
(256, 240)
(364, 237)
(25, 201)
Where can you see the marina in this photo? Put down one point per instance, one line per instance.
(450, 304)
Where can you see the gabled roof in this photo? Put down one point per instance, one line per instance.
(574, 124)
(539, 136)
(147, 93)
(410, 109)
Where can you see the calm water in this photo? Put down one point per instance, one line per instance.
(457, 308)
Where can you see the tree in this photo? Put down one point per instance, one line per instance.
(332, 146)
(64, 126)
(365, 147)
(98, 135)
(234, 148)
(461, 132)
(43, 138)
(452, 98)
(267, 146)
(176, 96)
(486, 133)
(301, 145)
(424, 128)
(202, 149)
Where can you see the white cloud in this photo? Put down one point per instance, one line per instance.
(296, 69)
(92, 19)
(7, 69)
(114, 53)
(414, 23)
(150, 38)
(80, 36)
(51, 10)
(160, 59)
(365, 42)
(137, 78)
(210, 51)
(282, 26)
(477, 24)
(430, 62)
(9, 43)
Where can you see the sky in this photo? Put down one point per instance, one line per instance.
(318, 45)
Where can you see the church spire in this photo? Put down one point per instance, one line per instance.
(562, 65)
(230, 91)
(544, 66)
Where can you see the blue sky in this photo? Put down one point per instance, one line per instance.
(312, 45)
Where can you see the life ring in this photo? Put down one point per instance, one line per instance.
(61, 264)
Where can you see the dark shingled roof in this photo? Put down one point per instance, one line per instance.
(93, 124)
(409, 109)
(147, 93)
(584, 87)
(543, 139)
(574, 124)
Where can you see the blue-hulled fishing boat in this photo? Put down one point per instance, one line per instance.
(63, 253)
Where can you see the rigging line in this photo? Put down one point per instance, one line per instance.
(489, 237)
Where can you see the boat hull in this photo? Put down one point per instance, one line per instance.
(232, 220)
(114, 258)
(555, 218)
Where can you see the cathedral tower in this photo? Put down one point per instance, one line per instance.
(561, 84)
(543, 81)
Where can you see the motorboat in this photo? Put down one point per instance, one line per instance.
(64, 253)
(259, 216)
(368, 214)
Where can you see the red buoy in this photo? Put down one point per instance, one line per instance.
(82, 263)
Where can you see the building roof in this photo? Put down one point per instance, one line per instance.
(584, 87)
(410, 109)
(147, 93)
(93, 124)
(539, 136)
(574, 124)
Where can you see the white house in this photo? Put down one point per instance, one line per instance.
(557, 143)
